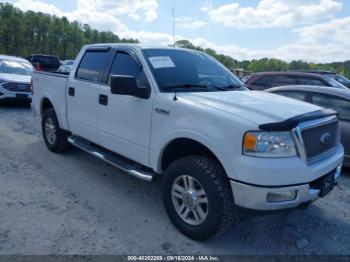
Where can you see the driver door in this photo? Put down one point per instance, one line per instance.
(124, 122)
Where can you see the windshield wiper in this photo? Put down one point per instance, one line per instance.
(185, 86)
(203, 86)
(233, 86)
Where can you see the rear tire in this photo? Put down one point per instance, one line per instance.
(210, 198)
(55, 138)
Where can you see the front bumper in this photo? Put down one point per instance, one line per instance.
(256, 197)
(9, 96)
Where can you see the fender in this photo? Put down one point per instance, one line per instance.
(156, 157)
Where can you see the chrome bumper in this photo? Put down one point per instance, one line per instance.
(256, 197)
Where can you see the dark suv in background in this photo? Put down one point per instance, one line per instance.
(340, 78)
(265, 80)
(47, 63)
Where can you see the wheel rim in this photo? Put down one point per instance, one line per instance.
(50, 131)
(190, 200)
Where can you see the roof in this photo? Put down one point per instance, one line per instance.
(139, 46)
(317, 89)
(322, 72)
(13, 58)
(44, 55)
(287, 73)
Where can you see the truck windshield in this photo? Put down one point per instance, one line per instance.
(15, 67)
(189, 71)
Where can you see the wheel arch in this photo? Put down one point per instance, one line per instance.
(45, 103)
(184, 146)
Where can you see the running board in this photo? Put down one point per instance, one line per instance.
(120, 162)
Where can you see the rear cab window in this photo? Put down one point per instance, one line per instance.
(92, 65)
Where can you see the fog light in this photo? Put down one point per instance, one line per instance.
(281, 196)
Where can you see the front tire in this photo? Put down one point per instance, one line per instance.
(55, 138)
(197, 197)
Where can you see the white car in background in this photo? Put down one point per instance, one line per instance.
(15, 77)
(66, 67)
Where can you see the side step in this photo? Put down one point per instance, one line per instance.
(116, 160)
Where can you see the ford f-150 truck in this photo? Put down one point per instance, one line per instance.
(181, 115)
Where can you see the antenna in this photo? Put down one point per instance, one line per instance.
(173, 9)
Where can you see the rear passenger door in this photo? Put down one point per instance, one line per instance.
(82, 95)
(125, 121)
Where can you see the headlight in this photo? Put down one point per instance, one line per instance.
(269, 144)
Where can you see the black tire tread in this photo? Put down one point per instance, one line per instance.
(214, 175)
(62, 144)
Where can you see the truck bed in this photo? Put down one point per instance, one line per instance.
(53, 87)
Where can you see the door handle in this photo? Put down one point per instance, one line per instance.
(103, 100)
(71, 91)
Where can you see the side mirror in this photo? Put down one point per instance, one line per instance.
(127, 85)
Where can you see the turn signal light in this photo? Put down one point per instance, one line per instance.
(249, 142)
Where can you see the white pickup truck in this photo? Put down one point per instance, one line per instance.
(181, 115)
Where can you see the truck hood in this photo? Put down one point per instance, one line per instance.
(256, 106)
(15, 78)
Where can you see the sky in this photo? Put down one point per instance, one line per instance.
(309, 30)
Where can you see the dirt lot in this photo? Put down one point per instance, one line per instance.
(76, 204)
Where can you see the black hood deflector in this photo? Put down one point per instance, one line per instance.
(291, 123)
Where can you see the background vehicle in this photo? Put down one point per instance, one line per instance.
(343, 80)
(66, 67)
(46, 63)
(340, 78)
(181, 114)
(327, 97)
(15, 77)
(265, 80)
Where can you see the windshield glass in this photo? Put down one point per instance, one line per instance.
(342, 79)
(189, 70)
(335, 83)
(15, 67)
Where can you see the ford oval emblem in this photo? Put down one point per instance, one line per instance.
(325, 138)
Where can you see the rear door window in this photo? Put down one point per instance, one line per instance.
(342, 106)
(283, 81)
(264, 81)
(92, 66)
(311, 81)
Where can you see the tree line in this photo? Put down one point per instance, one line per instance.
(25, 33)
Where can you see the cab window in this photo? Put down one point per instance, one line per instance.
(126, 65)
(92, 66)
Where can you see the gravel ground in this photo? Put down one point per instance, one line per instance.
(76, 204)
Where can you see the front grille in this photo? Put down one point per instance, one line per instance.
(17, 87)
(320, 139)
